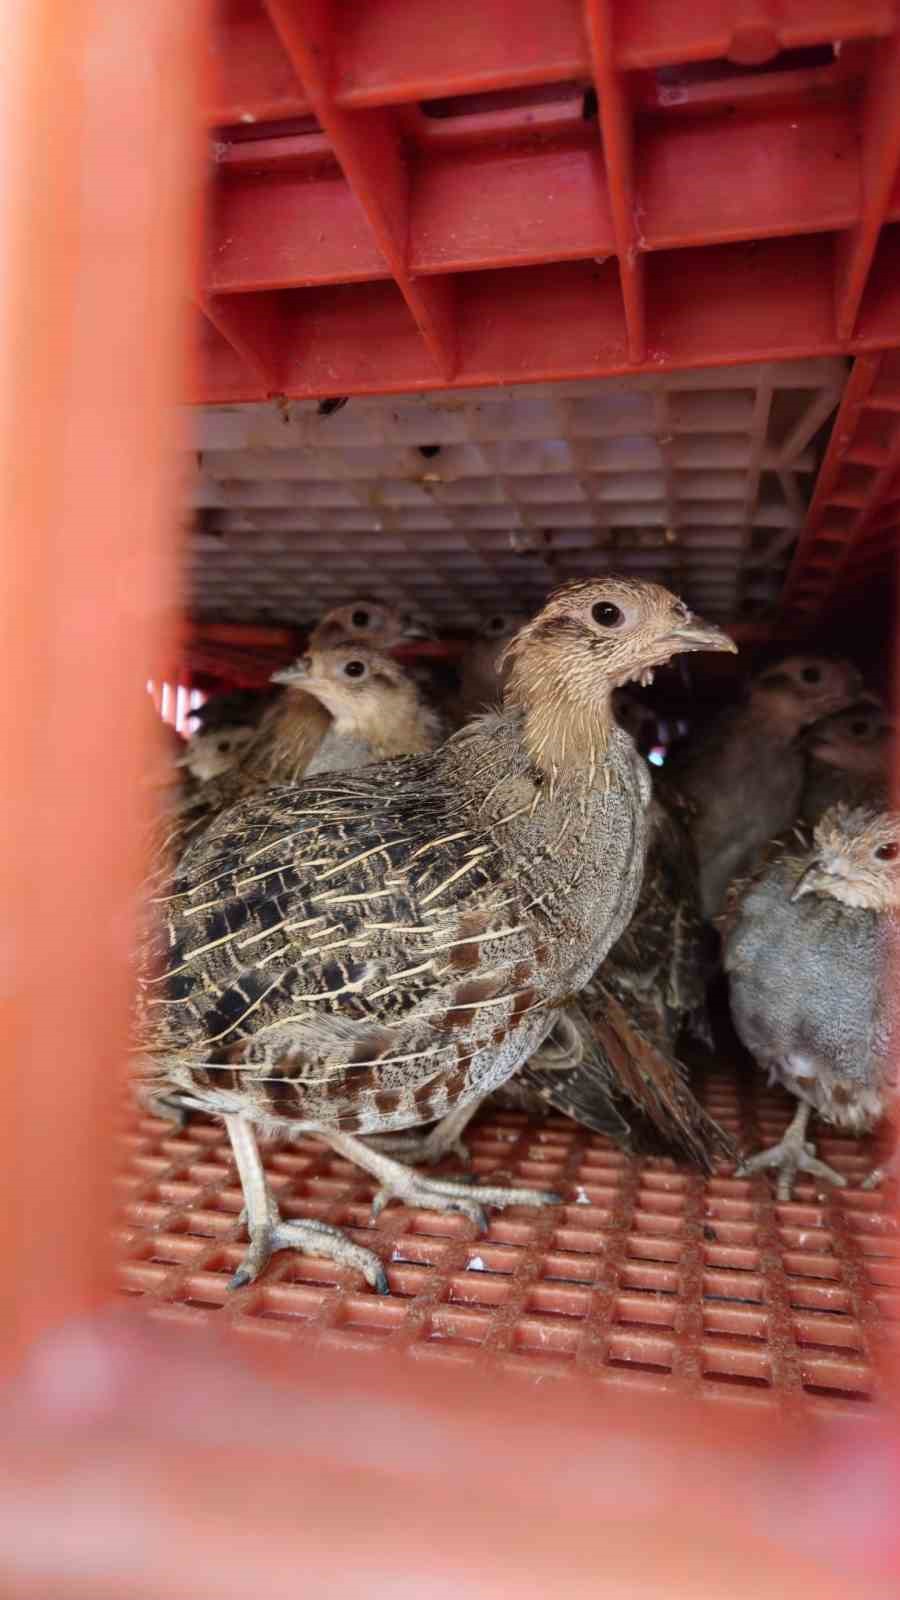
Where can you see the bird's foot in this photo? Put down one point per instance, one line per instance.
(446, 1194)
(311, 1239)
(790, 1156)
(886, 1171)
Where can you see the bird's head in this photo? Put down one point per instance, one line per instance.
(856, 859)
(369, 622)
(801, 689)
(499, 627)
(355, 683)
(857, 740)
(589, 639)
(216, 750)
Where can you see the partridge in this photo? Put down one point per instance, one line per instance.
(743, 777)
(210, 752)
(377, 710)
(847, 759)
(366, 952)
(481, 669)
(292, 727)
(809, 941)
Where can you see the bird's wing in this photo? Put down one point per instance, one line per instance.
(627, 1074)
(661, 958)
(349, 921)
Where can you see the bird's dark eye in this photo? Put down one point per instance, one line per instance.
(223, 745)
(888, 852)
(360, 619)
(608, 615)
(859, 729)
(354, 669)
(810, 674)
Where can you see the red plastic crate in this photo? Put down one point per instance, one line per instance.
(407, 196)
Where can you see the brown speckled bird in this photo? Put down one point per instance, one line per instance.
(377, 710)
(743, 776)
(848, 759)
(364, 952)
(808, 940)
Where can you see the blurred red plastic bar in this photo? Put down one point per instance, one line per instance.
(96, 214)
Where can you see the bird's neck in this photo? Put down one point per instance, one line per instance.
(567, 735)
(401, 731)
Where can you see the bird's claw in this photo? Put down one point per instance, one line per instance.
(789, 1157)
(445, 1194)
(311, 1239)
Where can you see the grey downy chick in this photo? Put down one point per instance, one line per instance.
(377, 711)
(743, 777)
(848, 759)
(362, 953)
(808, 945)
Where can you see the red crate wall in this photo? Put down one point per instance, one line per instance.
(407, 195)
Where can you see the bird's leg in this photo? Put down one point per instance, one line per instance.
(427, 1149)
(269, 1233)
(398, 1182)
(791, 1155)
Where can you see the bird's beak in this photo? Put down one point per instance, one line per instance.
(812, 880)
(295, 673)
(695, 634)
(414, 630)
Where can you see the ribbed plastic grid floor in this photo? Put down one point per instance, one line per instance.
(646, 1277)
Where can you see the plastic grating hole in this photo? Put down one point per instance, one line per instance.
(378, 1314)
(805, 59)
(459, 1325)
(281, 1302)
(639, 1351)
(500, 100)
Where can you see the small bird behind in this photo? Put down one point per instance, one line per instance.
(211, 752)
(365, 952)
(808, 945)
(377, 709)
(743, 776)
(624, 1077)
(848, 759)
(294, 724)
(481, 669)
